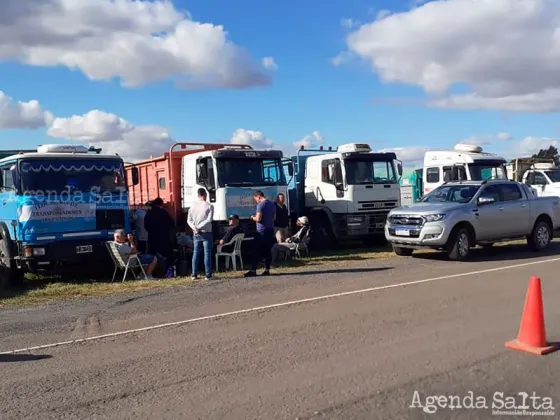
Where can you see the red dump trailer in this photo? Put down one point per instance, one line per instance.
(161, 177)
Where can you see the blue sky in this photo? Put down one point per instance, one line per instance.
(344, 103)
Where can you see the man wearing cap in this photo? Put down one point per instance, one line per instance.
(232, 230)
(292, 241)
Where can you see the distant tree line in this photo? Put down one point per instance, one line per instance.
(550, 153)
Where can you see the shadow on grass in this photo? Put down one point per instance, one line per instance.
(13, 358)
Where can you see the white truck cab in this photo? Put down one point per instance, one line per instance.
(544, 178)
(465, 162)
(347, 192)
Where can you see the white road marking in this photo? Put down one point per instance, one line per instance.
(276, 305)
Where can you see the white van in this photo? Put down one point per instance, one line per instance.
(464, 162)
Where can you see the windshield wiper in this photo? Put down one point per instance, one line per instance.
(235, 184)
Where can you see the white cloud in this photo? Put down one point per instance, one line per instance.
(507, 52)
(487, 139)
(410, 156)
(22, 114)
(349, 23)
(138, 42)
(531, 145)
(270, 63)
(255, 139)
(311, 141)
(112, 133)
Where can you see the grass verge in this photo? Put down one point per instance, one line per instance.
(42, 290)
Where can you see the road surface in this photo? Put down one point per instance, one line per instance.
(343, 343)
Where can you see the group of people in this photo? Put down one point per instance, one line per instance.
(154, 227)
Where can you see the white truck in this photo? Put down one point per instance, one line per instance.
(346, 193)
(541, 175)
(465, 162)
(230, 174)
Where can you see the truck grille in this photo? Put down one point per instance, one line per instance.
(109, 219)
(406, 220)
(376, 205)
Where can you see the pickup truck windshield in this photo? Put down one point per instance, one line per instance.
(249, 172)
(55, 176)
(451, 194)
(369, 172)
(553, 175)
(481, 171)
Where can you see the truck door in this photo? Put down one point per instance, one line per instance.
(516, 212)
(488, 220)
(330, 193)
(538, 181)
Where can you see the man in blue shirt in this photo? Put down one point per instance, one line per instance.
(264, 238)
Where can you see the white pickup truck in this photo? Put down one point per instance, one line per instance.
(460, 215)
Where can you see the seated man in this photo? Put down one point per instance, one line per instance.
(292, 241)
(232, 230)
(126, 249)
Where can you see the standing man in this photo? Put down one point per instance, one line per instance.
(201, 215)
(264, 239)
(159, 225)
(141, 232)
(282, 220)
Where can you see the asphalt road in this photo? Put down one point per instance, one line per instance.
(350, 343)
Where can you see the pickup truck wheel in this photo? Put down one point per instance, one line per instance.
(10, 275)
(540, 237)
(403, 252)
(459, 247)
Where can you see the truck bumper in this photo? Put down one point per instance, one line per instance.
(55, 255)
(361, 224)
(430, 235)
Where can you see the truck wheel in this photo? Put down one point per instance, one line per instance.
(10, 275)
(459, 245)
(403, 252)
(540, 237)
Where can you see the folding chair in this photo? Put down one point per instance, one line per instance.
(303, 245)
(120, 264)
(236, 241)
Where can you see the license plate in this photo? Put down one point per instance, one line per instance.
(84, 249)
(402, 232)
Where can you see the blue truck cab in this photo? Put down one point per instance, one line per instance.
(58, 207)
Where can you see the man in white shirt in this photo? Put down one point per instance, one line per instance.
(141, 232)
(200, 218)
(126, 249)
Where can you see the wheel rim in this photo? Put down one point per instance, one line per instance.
(543, 236)
(463, 244)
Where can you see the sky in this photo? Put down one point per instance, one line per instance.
(133, 77)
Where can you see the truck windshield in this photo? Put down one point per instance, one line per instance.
(360, 172)
(451, 193)
(54, 176)
(553, 175)
(482, 170)
(249, 172)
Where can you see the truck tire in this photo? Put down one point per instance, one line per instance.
(403, 252)
(459, 245)
(322, 236)
(10, 275)
(540, 237)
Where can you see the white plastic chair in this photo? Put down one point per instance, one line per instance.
(303, 245)
(120, 264)
(236, 241)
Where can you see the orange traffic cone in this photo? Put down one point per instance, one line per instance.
(532, 335)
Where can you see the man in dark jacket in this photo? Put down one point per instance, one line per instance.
(159, 224)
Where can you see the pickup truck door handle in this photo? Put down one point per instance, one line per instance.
(523, 205)
(500, 208)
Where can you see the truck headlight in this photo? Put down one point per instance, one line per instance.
(38, 252)
(355, 221)
(434, 217)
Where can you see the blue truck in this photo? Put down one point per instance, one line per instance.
(59, 204)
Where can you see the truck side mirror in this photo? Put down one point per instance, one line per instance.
(135, 173)
(399, 168)
(291, 169)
